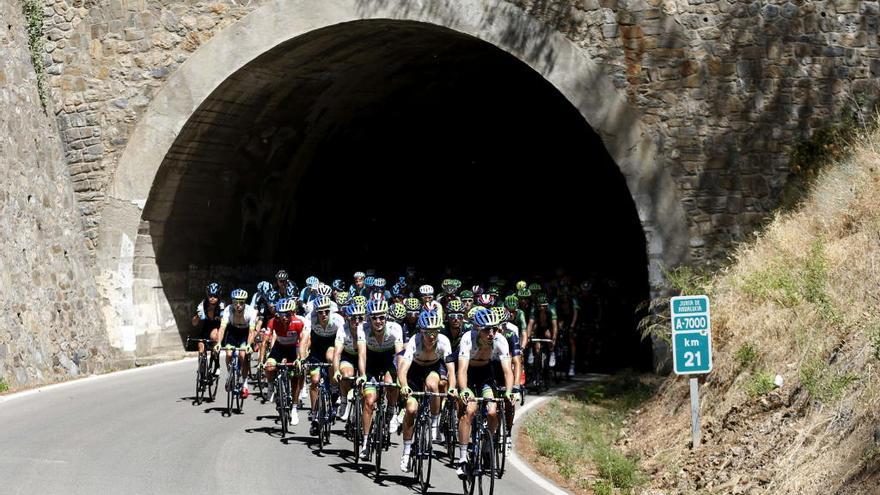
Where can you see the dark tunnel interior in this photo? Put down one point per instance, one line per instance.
(386, 144)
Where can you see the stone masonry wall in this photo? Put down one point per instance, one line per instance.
(727, 87)
(51, 327)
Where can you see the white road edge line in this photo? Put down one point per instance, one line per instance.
(90, 379)
(521, 465)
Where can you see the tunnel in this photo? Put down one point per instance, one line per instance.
(383, 144)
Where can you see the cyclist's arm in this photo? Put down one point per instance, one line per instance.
(337, 353)
(304, 345)
(555, 326)
(462, 372)
(508, 374)
(517, 369)
(450, 375)
(401, 372)
(221, 331)
(574, 317)
(530, 327)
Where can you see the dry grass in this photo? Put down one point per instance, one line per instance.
(801, 301)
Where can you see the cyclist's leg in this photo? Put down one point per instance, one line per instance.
(491, 408)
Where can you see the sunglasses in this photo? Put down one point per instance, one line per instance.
(456, 316)
(323, 311)
(430, 333)
(466, 301)
(238, 303)
(356, 317)
(489, 329)
(412, 313)
(378, 317)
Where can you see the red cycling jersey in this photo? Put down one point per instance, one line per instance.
(287, 332)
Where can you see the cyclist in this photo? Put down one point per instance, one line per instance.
(316, 346)
(308, 292)
(320, 291)
(265, 311)
(208, 315)
(384, 342)
(567, 309)
(542, 324)
(284, 285)
(350, 343)
(285, 329)
(413, 308)
(423, 365)
(478, 348)
(263, 289)
(510, 332)
(428, 303)
(518, 316)
(397, 313)
(358, 288)
(467, 299)
(241, 319)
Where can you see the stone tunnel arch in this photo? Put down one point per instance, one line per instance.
(126, 259)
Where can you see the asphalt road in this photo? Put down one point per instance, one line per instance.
(140, 432)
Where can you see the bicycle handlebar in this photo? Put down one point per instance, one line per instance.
(541, 340)
(428, 394)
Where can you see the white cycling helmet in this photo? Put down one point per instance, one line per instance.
(426, 290)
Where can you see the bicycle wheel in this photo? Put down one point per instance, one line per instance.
(319, 416)
(451, 431)
(425, 454)
(281, 403)
(378, 434)
(230, 391)
(239, 385)
(486, 465)
(212, 380)
(469, 481)
(201, 376)
(357, 435)
(501, 445)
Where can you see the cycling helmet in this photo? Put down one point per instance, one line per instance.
(485, 300)
(371, 272)
(324, 290)
(395, 290)
(473, 311)
(454, 306)
(494, 290)
(292, 289)
(426, 290)
(355, 310)
(213, 290)
(377, 296)
(429, 319)
(397, 311)
(369, 281)
(466, 294)
(524, 294)
(338, 285)
(511, 302)
(541, 299)
(412, 304)
(379, 283)
(322, 302)
(486, 318)
(312, 281)
(272, 297)
(239, 295)
(477, 290)
(535, 287)
(501, 311)
(586, 286)
(359, 275)
(286, 305)
(342, 298)
(264, 287)
(359, 300)
(282, 275)
(377, 306)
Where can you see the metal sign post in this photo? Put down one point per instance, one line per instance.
(692, 348)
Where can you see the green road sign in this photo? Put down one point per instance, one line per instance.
(691, 335)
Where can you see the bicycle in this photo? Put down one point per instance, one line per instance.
(540, 369)
(503, 434)
(323, 412)
(481, 451)
(207, 379)
(380, 435)
(449, 427)
(284, 395)
(234, 385)
(263, 387)
(423, 451)
(354, 427)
